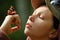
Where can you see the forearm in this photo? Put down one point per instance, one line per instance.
(6, 24)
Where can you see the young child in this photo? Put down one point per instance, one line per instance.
(41, 25)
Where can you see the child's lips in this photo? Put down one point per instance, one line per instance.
(28, 25)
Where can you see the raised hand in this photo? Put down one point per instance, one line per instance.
(11, 18)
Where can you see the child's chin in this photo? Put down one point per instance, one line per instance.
(26, 31)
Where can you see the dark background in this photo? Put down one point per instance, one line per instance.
(23, 8)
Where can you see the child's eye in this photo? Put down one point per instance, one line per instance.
(41, 17)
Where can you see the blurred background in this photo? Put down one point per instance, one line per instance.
(23, 8)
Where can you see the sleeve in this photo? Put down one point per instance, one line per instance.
(3, 36)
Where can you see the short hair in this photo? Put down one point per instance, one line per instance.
(55, 26)
(56, 4)
(55, 22)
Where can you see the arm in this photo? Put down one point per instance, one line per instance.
(16, 22)
(11, 18)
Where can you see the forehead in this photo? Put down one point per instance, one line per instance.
(42, 9)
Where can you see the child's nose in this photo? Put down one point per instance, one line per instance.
(31, 18)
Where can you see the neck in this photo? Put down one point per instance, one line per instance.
(35, 38)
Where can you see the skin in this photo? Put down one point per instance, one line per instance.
(11, 18)
(39, 25)
(37, 3)
(6, 25)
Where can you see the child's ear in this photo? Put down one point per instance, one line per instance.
(53, 33)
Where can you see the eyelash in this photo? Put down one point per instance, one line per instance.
(38, 15)
(41, 17)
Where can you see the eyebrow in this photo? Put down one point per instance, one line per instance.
(41, 12)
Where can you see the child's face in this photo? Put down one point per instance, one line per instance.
(39, 23)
